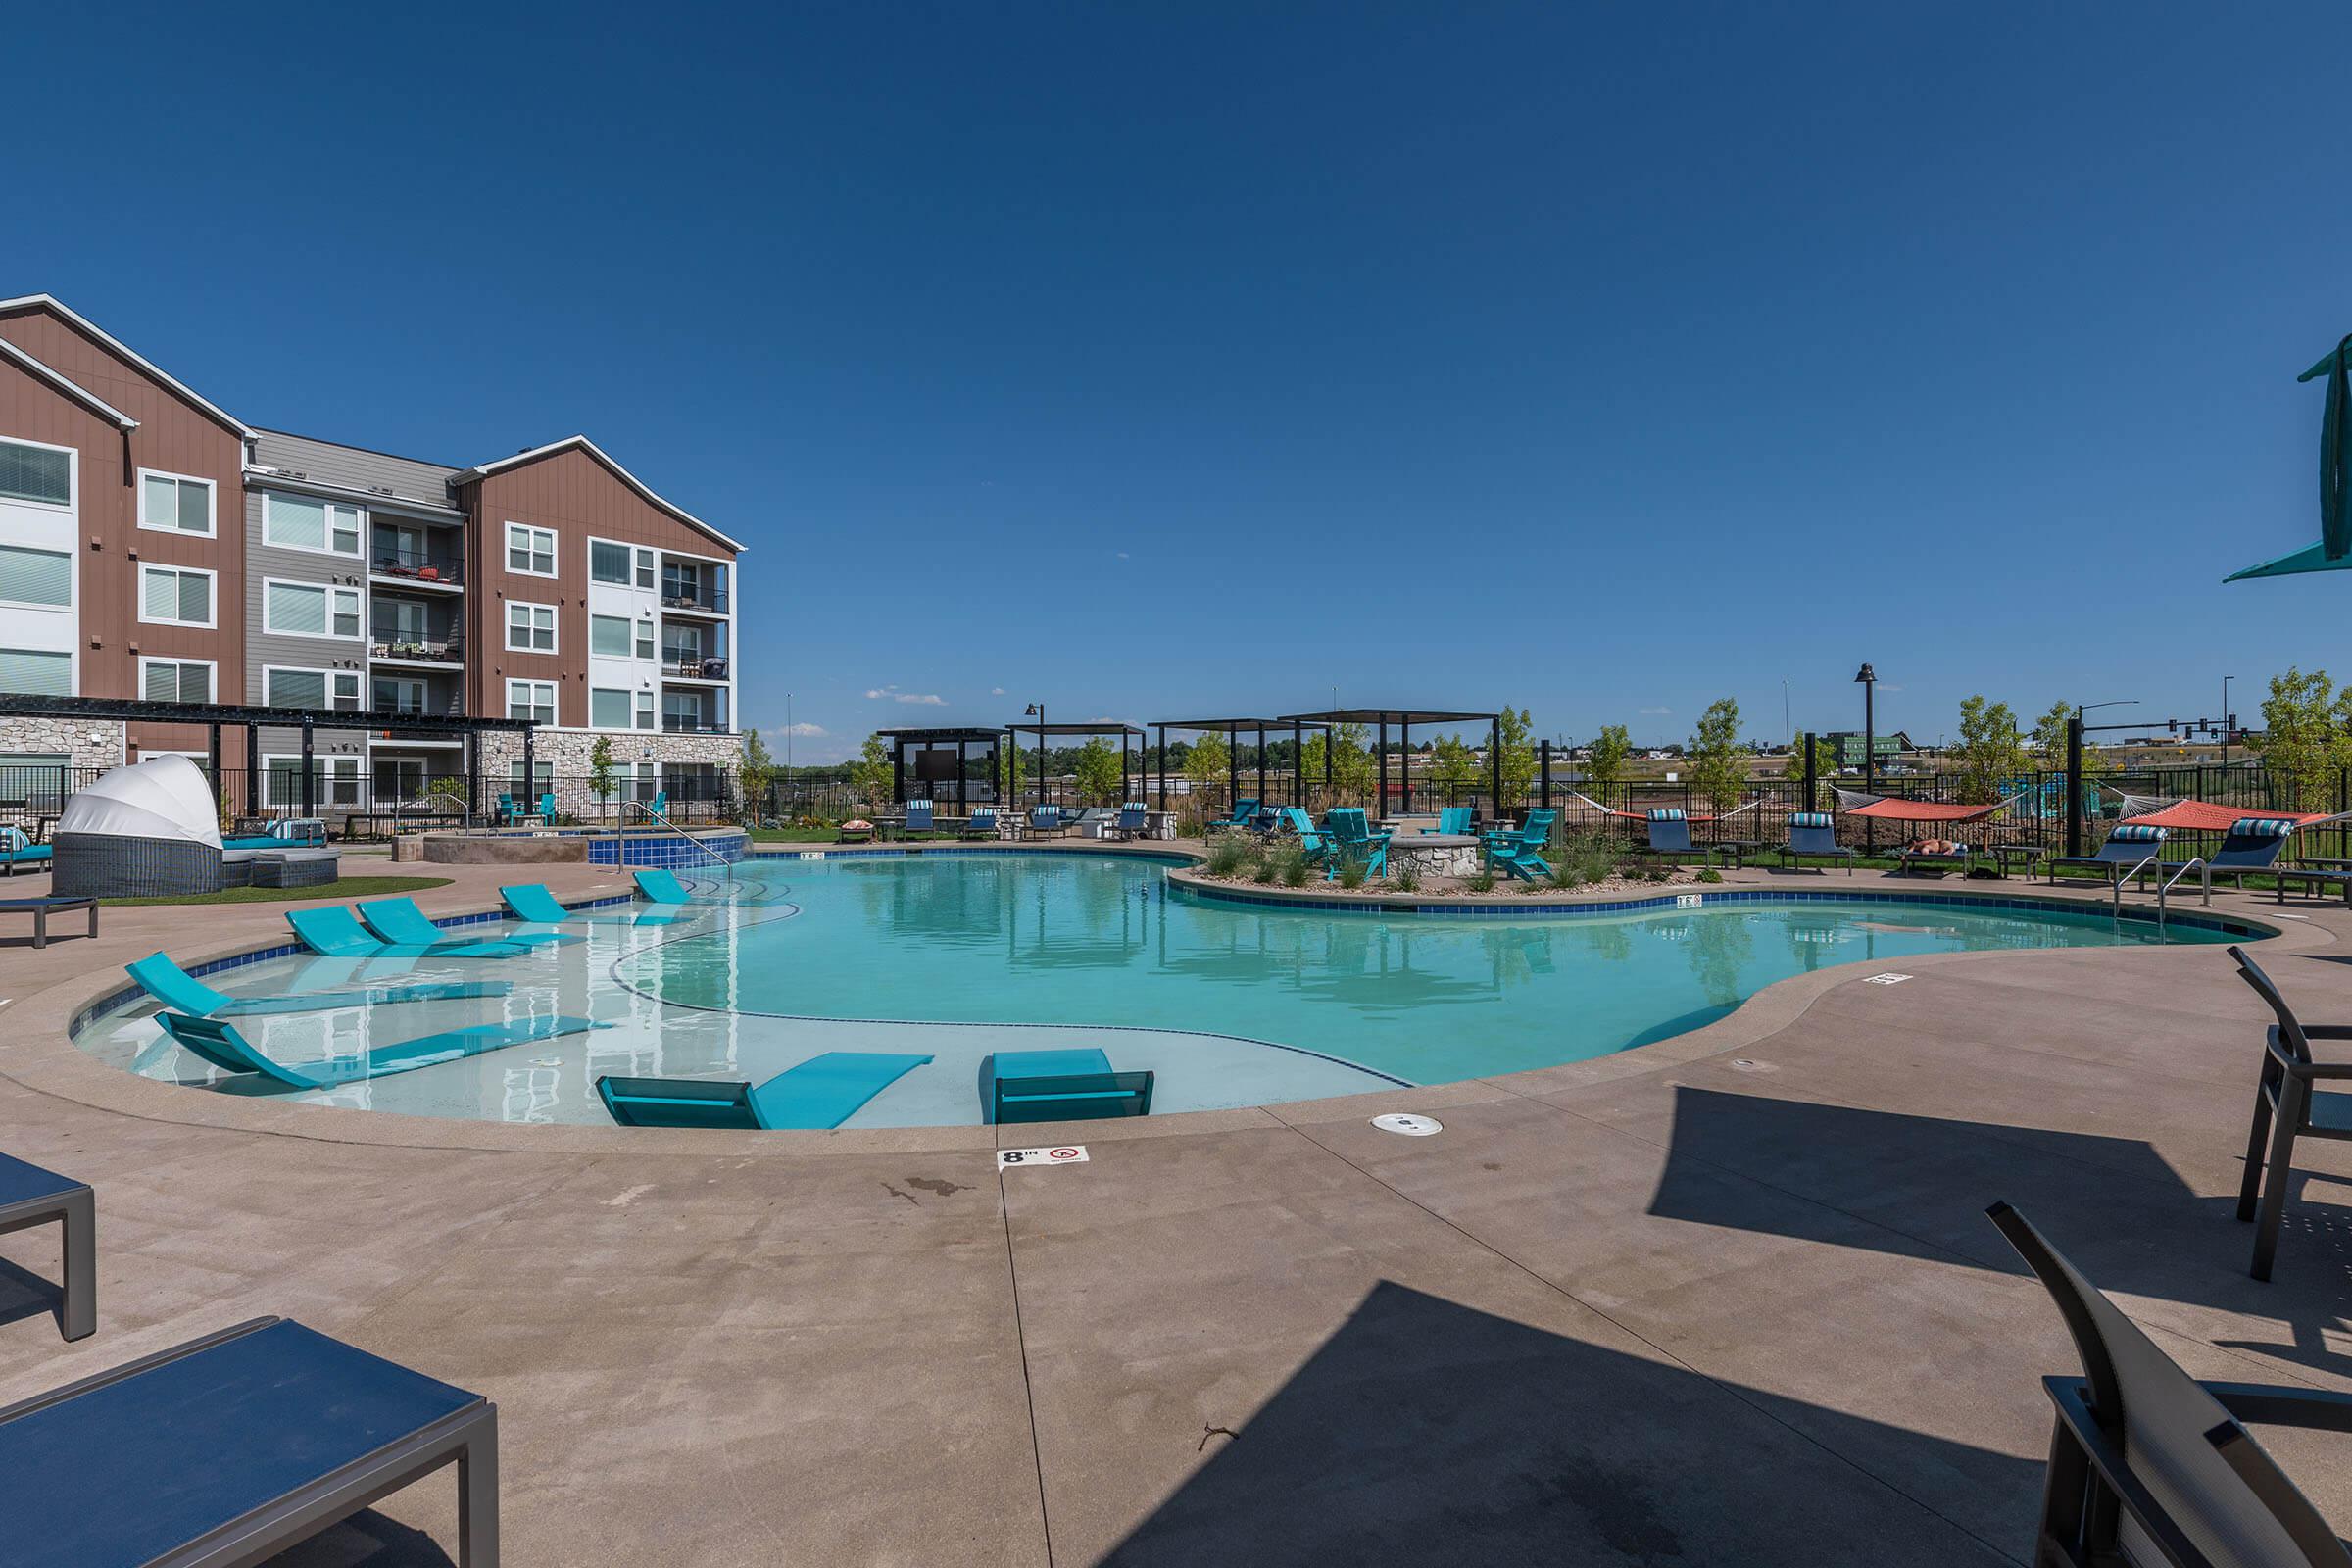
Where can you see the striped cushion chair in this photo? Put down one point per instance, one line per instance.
(1813, 833)
(1670, 832)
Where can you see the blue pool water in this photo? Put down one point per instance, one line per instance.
(959, 955)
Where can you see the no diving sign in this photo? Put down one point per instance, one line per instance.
(1063, 1154)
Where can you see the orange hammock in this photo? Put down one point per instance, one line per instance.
(1892, 809)
(2205, 817)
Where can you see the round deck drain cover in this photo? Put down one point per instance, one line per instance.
(1408, 1124)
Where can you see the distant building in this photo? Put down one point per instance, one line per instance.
(1847, 743)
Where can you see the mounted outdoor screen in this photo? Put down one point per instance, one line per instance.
(933, 765)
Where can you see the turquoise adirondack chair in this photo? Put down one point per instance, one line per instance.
(1454, 819)
(1245, 813)
(1520, 853)
(1313, 841)
(1353, 838)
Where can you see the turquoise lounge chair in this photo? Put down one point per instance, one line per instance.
(218, 1042)
(660, 802)
(399, 920)
(1520, 853)
(1063, 1086)
(331, 931)
(1353, 838)
(662, 887)
(533, 905)
(1454, 819)
(918, 818)
(1245, 813)
(1670, 834)
(17, 850)
(1814, 835)
(167, 983)
(820, 1092)
(1313, 841)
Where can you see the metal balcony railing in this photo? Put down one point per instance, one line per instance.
(706, 597)
(424, 565)
(387, 645)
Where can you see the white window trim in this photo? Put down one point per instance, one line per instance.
(331, 589)
(555, 627)
(326, 763)
(513, 682)
(210, 664)
(633, 623)
(73, 603)
(212, 504)
(555, 548)
(212, 595)
(645, 714)
(629, 583)
(358, 551)
(73, 477)
(359, 701)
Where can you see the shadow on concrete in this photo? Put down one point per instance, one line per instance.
(366, 1539)
(1425, 1433)
(1920, 1184)
(24, 1294)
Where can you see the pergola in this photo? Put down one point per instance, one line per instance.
(215, 717)
(1406, 718)
(928, 739)
(1043, 732)
(1232, 729)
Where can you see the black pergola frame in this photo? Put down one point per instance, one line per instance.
(962, 738)
(1407, 718)
(1045, 732)
(215, 717)
(1232, 729)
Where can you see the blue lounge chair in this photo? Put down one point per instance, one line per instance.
(660, 802)
(271, 1434)
(331, 931)
(657, 886)
(2127, 845)
(302, 832)
(533, 905)
(820, 1092)
(2252, 846)
(218, 1042)
(1519, 853)
(1670, 834)
(919, 815)
(399, 920)
(1245, 813)
(1133, 820)
(1063, 1086)
(167, 983)
(1352, 838)
(1044, 819)
(983, 824)
(1814, 835)
(1454, 819)
(31, 1195)
(19, 853)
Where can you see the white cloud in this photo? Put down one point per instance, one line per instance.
(1889, 686)
(805, 729)
(996, 691)
(1655, 712)
(893, 694)
(1123, 555)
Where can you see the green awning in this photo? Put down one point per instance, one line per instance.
(2334, 552)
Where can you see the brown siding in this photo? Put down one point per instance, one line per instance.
(173, 435)
(579, 497)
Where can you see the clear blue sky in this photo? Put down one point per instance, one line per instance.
(1181, 359)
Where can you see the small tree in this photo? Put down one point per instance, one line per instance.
(602, 777)
(2304, 745)
(755, 774)
(1604, 760)
(1518, 754)
(1099, 772)
(1715, 769)
(1990, 753)
(1453, 766)
(1354, 769)
(2047, 743)
(1824, 767)
(869, 773)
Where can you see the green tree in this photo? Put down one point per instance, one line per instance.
(1824, 768)
(869, 773)
(2047, 743)
(1353, 771)
(2305, 746)
(1099, 772)
(602, 777)
(1715, 769)
(1453, 766)
(1990, 752)
(1604, 759)
(754, 773)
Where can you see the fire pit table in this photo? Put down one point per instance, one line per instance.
(1435, 854)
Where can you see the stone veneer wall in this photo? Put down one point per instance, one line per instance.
(566, 752)
(71, 738)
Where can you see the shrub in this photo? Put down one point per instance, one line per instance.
(1710, 874)
(1285, 863)
(1354, 870)
(1228, 853)
(1262, 868)
(1480, 880)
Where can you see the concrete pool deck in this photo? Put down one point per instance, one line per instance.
(1727, 1297)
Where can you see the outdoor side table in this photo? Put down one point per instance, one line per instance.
(42, 908)
(2025, 855)
(1737, 849)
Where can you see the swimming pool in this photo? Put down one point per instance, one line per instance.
(958, 955)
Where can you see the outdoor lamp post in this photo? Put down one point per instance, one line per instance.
(1869, 681)
(1037, 711)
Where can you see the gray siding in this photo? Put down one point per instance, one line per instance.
(329, 464)
(262, 648)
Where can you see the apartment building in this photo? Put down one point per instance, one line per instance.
(151, 545)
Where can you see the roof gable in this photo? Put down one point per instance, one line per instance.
(69, 389)
(91, 330)
(582, 444)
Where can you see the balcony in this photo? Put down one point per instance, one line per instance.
(389, 648)
(692, 724)
(693, 598)
(677, 664)
(421, 568)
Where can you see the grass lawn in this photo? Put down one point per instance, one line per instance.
(350, 887)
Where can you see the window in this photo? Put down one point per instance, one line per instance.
(172, 503)
(36, 576)
(534, 699)
(309, 610)
(530, 551)
(310, 688)
(34, 673)
(682, 710)
(645, 638)
(645, 710)
(396, 694)
(176, 680)
(610, 636)
(306, 522)
(683, 645)
(608, 709)
(36, 473)
(530, 628)
(541, 781)
(607, 563)
(175, 596)
(645, 568)
(335, 781)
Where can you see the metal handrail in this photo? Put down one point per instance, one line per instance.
(2116, 900)
(662, 819)
(2194, 862)
(465, 806)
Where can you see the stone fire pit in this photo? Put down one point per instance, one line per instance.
(1435, 854)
